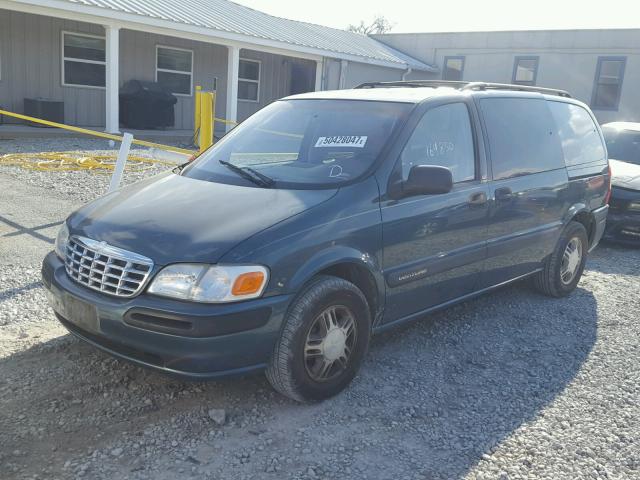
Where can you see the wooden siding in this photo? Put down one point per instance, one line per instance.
(275, 79)
(138, 61)
(30, 53)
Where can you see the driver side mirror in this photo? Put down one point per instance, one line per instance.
(427, 180)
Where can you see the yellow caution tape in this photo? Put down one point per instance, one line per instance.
(222, 120)
(108, 136)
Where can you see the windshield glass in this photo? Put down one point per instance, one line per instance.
(623, 145)
(299, 143)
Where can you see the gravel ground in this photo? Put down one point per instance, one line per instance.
(511, 385)
(79, 185)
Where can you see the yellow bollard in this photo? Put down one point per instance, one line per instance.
(196, 116)
(213, 117)
(206, 120)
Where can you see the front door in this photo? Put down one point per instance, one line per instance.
(435, 245)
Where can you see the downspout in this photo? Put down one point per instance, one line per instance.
(404, 75)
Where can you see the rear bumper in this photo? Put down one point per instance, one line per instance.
(190, 340)
(623, 228)
(600, 216)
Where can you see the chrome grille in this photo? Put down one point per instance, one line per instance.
(106, 269)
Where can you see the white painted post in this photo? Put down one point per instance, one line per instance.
(233, 65)
(343, 74)
(112, 120)
(319, 74)
(120, 162)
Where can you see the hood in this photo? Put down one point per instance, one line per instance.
(170, 218)
(625, 175)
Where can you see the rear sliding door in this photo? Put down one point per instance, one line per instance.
(529, 187)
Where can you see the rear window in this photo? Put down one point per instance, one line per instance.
(623, 145)
(581, 142)
(522, 137)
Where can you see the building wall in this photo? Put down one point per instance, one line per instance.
(567, 59)
(138, 62)
(275, 79)
(30, 63)
(358, 73)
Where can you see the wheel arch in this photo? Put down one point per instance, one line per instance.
(582, 214)
(357, 267)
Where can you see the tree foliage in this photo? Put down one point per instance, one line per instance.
(380, 24)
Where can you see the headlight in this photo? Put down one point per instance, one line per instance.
(210, 283)
(634, 206)
(61, 241)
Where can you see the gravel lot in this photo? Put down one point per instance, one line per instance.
(511, 385)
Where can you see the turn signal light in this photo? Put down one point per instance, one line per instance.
(248, 283)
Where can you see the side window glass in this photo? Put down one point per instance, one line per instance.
(522, 136)
(581, 142)
(442, 137)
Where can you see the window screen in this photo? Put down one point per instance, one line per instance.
(443, 137)
(609, 75)
(522, 137)
(453, 68)
(525, 70)
(84, 60)
(249, 80)
(174, 69)
(581, 142)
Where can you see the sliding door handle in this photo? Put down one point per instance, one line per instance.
(477, 199)
(503, 194)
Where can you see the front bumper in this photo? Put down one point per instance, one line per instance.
(623, 227)
(192, 340)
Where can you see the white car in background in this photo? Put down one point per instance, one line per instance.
(623, 145)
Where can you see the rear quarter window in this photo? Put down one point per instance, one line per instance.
(579, 136)
(522, 136)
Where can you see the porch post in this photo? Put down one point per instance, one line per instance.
(319, 72)
(233, 64)
(112, 121)
(343, 74)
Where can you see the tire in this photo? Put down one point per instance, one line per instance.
(551, 281)
(298, 361)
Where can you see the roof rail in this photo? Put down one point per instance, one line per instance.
(519, 88)
(465, 86)
(414, 83)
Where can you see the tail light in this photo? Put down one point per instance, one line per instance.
(607, 197)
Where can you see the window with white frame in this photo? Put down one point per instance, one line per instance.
(83, 60)
(174, 69)
(249, 80)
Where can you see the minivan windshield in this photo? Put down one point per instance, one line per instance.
(623, 145)
(302, 143)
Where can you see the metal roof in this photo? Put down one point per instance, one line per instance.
(226, 16)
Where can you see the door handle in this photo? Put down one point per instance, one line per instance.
(477, 199)
(504, 194)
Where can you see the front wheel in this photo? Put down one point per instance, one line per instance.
(323, 341)
(563, 268)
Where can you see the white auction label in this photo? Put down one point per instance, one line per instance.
(355, 141)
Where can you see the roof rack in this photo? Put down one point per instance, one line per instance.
(465, 86)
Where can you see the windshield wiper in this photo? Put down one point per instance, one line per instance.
(250, 174)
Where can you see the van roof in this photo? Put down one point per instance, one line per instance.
(419, 90)
(405, 95)
(634, 127)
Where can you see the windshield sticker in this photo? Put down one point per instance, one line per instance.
(353, 141)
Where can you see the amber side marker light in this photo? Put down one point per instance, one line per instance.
(248, 284)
